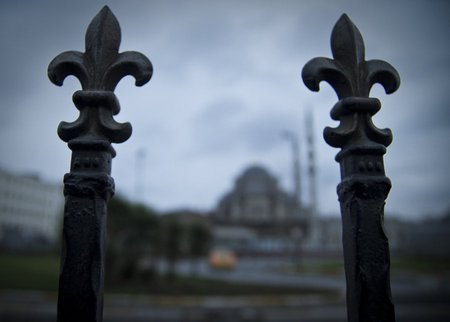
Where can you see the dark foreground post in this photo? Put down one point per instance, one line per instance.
(364, 186)
(89, 186)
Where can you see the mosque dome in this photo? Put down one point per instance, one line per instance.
(256, 180)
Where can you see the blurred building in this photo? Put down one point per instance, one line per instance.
(426, 238)
(257, 216)
(30, 210)
(325, 237)
(257, 200)
(429, 237)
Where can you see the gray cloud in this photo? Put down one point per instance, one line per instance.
(226, 82)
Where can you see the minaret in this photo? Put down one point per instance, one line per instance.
(289, 135)
(311, 163)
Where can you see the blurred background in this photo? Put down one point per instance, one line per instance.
(226, 205)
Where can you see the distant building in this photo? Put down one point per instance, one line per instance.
(30, 210)
(257, 216)
(427, 238)
(257, 200)
(325, 236)
(187, 216)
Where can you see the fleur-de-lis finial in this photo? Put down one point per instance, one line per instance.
(99, 70)
(364, 186)
(89, 186)
(352, 78)
(348, 73)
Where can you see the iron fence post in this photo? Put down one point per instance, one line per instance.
(364, 186)
(88, 186)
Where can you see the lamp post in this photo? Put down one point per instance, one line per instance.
(88, 186)
(364, 185)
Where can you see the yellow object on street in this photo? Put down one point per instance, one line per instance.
(222, 259)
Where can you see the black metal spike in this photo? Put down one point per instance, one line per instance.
(364, 186)
(89, 186)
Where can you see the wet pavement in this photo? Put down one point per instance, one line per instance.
(416, 298)
(41, 307)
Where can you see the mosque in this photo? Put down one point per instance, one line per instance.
(258, 201)
(258, 216)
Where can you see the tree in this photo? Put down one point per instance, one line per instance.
(199, 241)
(133, 233)
(172, 246)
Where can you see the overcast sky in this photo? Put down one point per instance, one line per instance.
(226, 83)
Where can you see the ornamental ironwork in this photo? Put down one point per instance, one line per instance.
(364, 186)
(88, 186)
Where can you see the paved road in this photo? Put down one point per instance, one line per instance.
(267, 271)
(263, 271)
(40, 307)
(416, 298)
